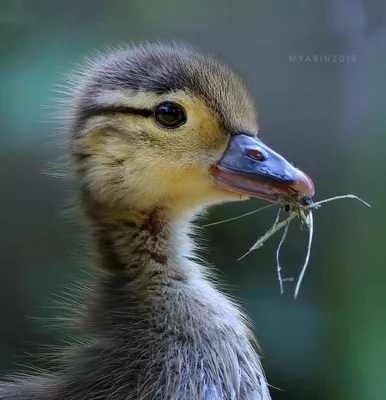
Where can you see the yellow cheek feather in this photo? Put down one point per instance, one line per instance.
(135, 159)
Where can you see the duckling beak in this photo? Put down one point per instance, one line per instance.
(251, 168)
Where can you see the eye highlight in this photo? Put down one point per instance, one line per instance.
(170, 115)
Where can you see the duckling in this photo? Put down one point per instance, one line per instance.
(157, 133)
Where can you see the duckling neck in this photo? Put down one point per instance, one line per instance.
(155, 313)
(139, 244)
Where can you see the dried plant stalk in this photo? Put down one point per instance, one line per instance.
(240, 216)
(270, 232)
(307, 259)
(278, 267)
(305, 215)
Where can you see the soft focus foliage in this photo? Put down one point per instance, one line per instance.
(327, 117)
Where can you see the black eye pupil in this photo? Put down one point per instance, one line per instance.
(170, 115)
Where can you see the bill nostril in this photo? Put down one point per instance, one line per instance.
(256, 154)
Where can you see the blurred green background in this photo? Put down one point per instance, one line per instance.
(328, 117)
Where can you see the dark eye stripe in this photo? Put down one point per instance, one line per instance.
(96, 110)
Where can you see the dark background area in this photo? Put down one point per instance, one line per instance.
(328, 117)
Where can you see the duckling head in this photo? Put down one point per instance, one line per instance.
(165, 127)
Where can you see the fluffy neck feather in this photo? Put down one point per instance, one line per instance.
(159, 330)
(170, 329)
(139, 244)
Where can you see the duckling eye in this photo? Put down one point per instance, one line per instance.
(170, 115)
